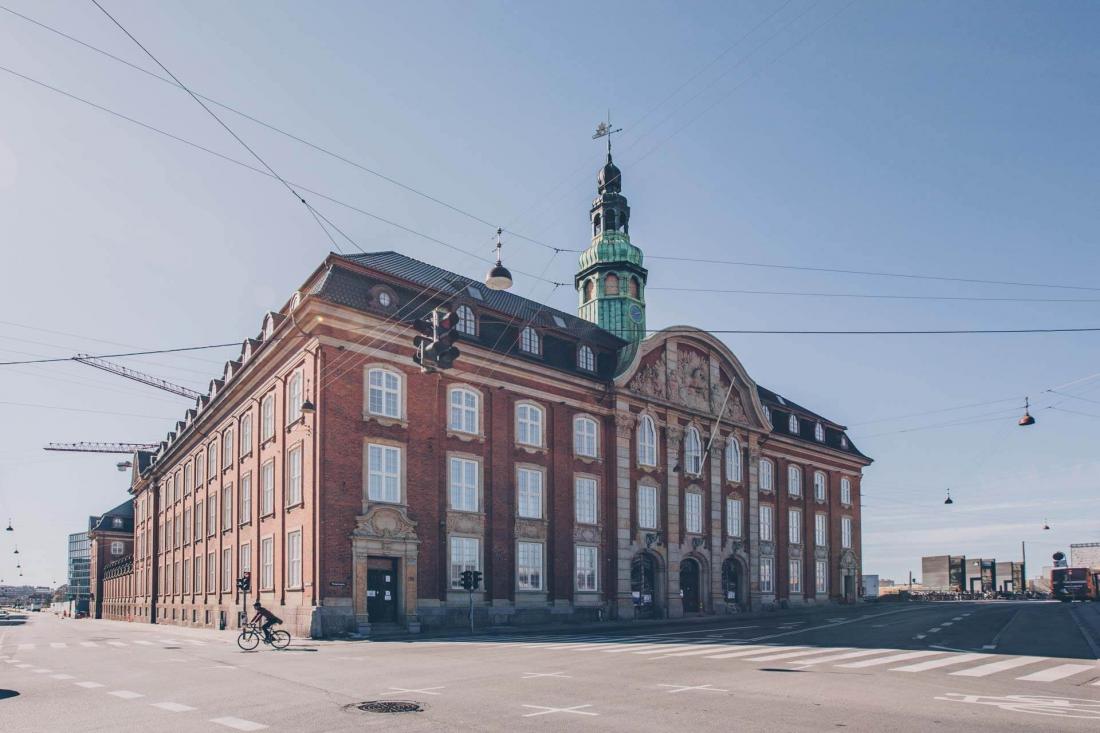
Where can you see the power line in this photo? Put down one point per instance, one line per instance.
(884, 296)
(118, 356)
(927, 332)
(79, 409)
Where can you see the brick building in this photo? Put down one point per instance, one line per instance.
(111, 540)
(586, 469)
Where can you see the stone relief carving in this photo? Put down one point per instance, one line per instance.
(735, 409)
(651, 380)
(689, 383)
(767, 548)
(460, 523)
(586, 534)
(821, 553)
(385, 522)
(625, 420)
(531, 529)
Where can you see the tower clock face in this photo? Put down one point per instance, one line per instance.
(636, 313)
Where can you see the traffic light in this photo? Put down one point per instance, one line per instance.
(477, 579)
(467, 580)
(422, 342)
(244, 583)
(434, 345)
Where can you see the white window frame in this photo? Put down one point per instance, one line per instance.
(245, 558)
(649, 514)
(227, 507)
(693, 451)
(227, 569)
(821, 486)
(794, 480)
(792, 425)
(294, 559)
(767, 575)
(530, 566)
(529, 342)
(267, 488)
(267, 417)
(212, 460)
(466, 320)
(246, 434)
(767, 475)
(530, 492)
(767, 523)
(212, 514)
(733, 517)
(117, 548)
(246, 498)
(845, 491)
(384, 398)
(267, 563)
(586, 358)
(198, 575)
(733, 459)
(384, 471)
(463, 417)
(846, 533)
(647, 441)
(693, 512)
(464, 553)
(794, 526)
(821, 530)
(821, 576)
(794, 575)
(464, 492)
(586, 432)
(819, 433)
(586, 569)
(294, 391)
(212, 572)
(294, 476)
(585, 500)
(227, 448)
(530, 419)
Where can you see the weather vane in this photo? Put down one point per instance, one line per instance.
(604, 129)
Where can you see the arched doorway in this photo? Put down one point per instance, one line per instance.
(643, 585)
(732, 590)
(689, 585)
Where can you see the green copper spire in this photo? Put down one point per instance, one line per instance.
(610, 278)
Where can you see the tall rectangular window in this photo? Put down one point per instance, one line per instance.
(733, 517)
(584, 437)
(528, 424)
(246, 558)
(767, 573)
(586, 568)
(267, 563)
(766, 475)
(584, 498)
(647, 507)
(846, 532)
(819, 486)
(211, 572)
(529, 566)
(794, 480)
(383, 393)
(186, 525)
(227, 569)
(383, 473)
(186, 479)
(294, 476)
(794, 526)
(246, 434)
(463, 413)
(794, 578)
(465, 555)
(227, 448)
(227, 507)
(294, 559)
(200, 475)
(845, 492)
(693, 514)
(176, 578)
(198, 574)
(211, 514)
(820, 529)
(267, 418)
(198, 521)
(463, 484)
(212, 461)
(267, 488)
(179, 531)
(294, 397)
(766, 524)
(821, 577)
(186, 576)
(246, 498)
(530, 493)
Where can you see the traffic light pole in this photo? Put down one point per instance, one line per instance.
(471, 594)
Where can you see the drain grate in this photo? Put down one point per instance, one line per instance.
(390, 706)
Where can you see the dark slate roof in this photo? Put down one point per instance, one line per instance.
(346, 288)
(144, 459)
(124, 511)
(782, 408)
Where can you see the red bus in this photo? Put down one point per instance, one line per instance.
(1075, 584)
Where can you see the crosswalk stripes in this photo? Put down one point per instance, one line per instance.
(116, 643)
(58, 644)
(984, 670)
(838, 657)
(887, 660)
(937, 663)
(1057, 673)
(88, 644)
(786, 655)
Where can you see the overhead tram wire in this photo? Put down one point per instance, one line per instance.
(177, 350)
(874, 296)
(274, 128)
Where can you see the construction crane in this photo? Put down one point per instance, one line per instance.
(91, 447)
(147, 379)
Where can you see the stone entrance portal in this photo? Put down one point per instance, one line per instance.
(385, 545)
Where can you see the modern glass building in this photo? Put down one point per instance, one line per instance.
(80, 558)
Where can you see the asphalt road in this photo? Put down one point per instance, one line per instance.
(994, 666)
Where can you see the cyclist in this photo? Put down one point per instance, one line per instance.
(269, 618)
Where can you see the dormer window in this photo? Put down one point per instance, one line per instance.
(116, 522)
(586, 359)
(792, 425)
(295, 300)
(767, 414)
(467, 323)
(843, 441)
(269, 327)
(819, 433)
(529, 341)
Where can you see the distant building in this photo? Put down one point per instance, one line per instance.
(981, 575)
(1010, 576)
(1084, 555)
(80, 556)
(111, 537)
(944, 573)
(870, 586)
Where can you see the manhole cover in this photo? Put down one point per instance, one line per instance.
(390, 706)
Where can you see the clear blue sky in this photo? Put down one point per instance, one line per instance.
(939, 138)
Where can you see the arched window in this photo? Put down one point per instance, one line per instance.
(647, 442)
(529, 421)
(596, 225)
(819, 485)
(845, 491)
(464, 410)
(294, 397)
(467, 324)
(733, 460)
(227, 448)
(792, 424)
(383, 393)
(585, 433)
(767, 477)
(586, 359)
(611, 284)
(529, 341)
(589, 289)
(634, 288)
(794, 480)
(693, 451)
(819, 433)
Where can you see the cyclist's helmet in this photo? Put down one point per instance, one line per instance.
(256, 604)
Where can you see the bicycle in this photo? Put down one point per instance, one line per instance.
(251, 635)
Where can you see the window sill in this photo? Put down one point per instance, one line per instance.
(267, 514)
(245, 523)
(385, 420)
(300, 420)
(295, 505)
(464, 436)
(585, 458)
(264, 442)
(243, 456)
(645, 468)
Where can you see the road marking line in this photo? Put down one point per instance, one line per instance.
(88, 643)
(61, 676)
(685, 688)
(788, 655)
(620, 648)
(989, 646)
(710, 649)
(921, 636)
(957, 618)
(42, 671)
(89, 685)
(26, 646)
(173, 707)
(668, 649)
(933, 629)
(749, 651)
(58, 644)
(143, 642)
(238, 723)
(575, 710)
(173, 641)
(829, 626)
(116, 643)
(985, 670)
(24, 665)
(937, 663)
(534, 675)
(126, 694)
(426, 690)
(887, 660)
(948, 623)
(1057, 673)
